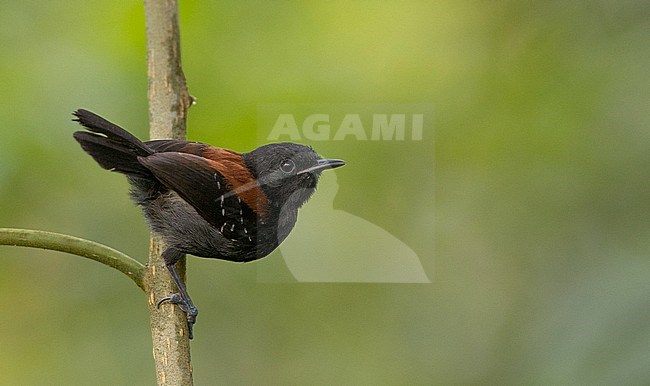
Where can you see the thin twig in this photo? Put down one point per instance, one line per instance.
(76, 246)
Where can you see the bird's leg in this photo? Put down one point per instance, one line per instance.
(183, 299)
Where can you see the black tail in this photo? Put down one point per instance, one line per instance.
(111, 146)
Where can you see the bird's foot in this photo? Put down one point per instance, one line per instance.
(187, 306)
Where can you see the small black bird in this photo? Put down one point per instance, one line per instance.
(204, 200)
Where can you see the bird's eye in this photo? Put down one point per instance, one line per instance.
(287, 166)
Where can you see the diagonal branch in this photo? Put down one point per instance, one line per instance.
(76, 246)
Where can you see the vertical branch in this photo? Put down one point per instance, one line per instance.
(169, 101)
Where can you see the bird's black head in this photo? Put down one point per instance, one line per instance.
(287, 172)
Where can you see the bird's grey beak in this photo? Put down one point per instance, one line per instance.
(324, 164)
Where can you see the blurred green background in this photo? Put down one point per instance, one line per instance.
(534, 232)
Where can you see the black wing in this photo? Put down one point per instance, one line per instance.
(206, 190)
(174, 145)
